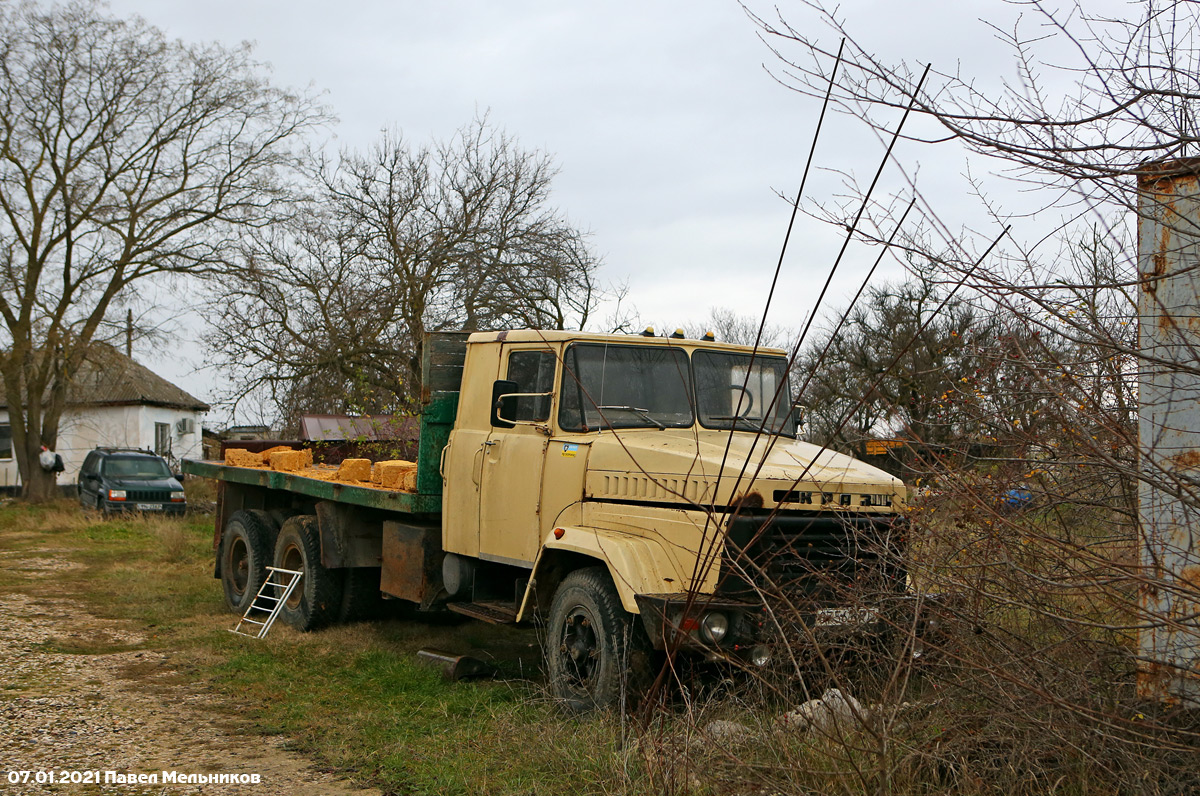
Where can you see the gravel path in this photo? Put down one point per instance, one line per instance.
(77, 696)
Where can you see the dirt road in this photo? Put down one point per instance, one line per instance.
(80, 694)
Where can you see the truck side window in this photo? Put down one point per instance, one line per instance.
(533, 371)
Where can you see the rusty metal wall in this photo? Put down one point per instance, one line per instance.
(1169, 430)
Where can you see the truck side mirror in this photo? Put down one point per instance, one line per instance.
(506, 406)
(798, 418)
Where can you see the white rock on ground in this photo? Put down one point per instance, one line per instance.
(727, 731)
(834, 710)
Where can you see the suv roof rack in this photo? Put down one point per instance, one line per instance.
(108, 449)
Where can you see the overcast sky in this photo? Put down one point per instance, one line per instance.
(672, 138)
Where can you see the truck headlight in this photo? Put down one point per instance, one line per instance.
(176, 496)
(714, 626)
(760, 655)
(116, 494)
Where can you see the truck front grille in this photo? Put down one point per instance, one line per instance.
(825, 556)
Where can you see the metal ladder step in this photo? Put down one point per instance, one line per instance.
(290, 579)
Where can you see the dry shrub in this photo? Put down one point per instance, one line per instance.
(1026, 686)
(176, 542)
(200, 490)
(61, 515)
(174, 537)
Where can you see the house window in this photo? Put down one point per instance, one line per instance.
(162, 438)
(6, 450)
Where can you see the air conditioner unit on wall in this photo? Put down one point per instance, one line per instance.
(185, 425)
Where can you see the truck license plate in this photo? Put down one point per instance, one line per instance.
(846, 617)
(149, 507)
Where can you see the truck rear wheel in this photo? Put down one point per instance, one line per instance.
(317, 597)
(360, 594)
(245, 553)
(595, 650)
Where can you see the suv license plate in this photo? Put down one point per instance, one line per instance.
(149, 507)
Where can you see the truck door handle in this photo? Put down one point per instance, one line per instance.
(491, 442)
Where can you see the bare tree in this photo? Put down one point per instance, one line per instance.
(395, 242)
(1040, 683)
(730, 327)
(124, 157)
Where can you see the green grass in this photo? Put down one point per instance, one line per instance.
(354, 698)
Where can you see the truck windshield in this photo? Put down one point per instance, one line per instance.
(723, 403)
(136, 467)
(619, 386)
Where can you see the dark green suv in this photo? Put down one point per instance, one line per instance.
(128, 479)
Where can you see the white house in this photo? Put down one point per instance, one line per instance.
(115, 402)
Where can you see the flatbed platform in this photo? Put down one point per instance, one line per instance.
(361, 494)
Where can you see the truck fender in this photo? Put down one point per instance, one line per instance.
(637, 564)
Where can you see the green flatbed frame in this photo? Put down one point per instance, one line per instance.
(437, 418)
(371, 497)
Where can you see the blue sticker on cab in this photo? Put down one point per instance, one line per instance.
(570, 449)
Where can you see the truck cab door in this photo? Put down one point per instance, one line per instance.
(513, 461)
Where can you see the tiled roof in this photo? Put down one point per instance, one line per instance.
(108, 377)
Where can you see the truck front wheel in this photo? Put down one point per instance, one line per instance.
(245, 553)
(595, 650)
(317, 597)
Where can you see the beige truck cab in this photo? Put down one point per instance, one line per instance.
(637, 495)
(644, 493)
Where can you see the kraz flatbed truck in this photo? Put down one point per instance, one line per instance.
(616, 488)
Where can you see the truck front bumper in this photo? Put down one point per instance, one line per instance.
(680, 622)
(675, 621)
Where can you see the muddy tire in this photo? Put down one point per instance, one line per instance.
(596, 652)
(245, 554)
(360, 594)
(269, 525)
(317, 598)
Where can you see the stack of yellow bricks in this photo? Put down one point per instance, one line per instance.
(395, 475)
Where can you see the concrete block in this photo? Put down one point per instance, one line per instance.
(355, 470)
(266, 455)
(287, 460)
(378, 468)
(391, 473)
(240, 457)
